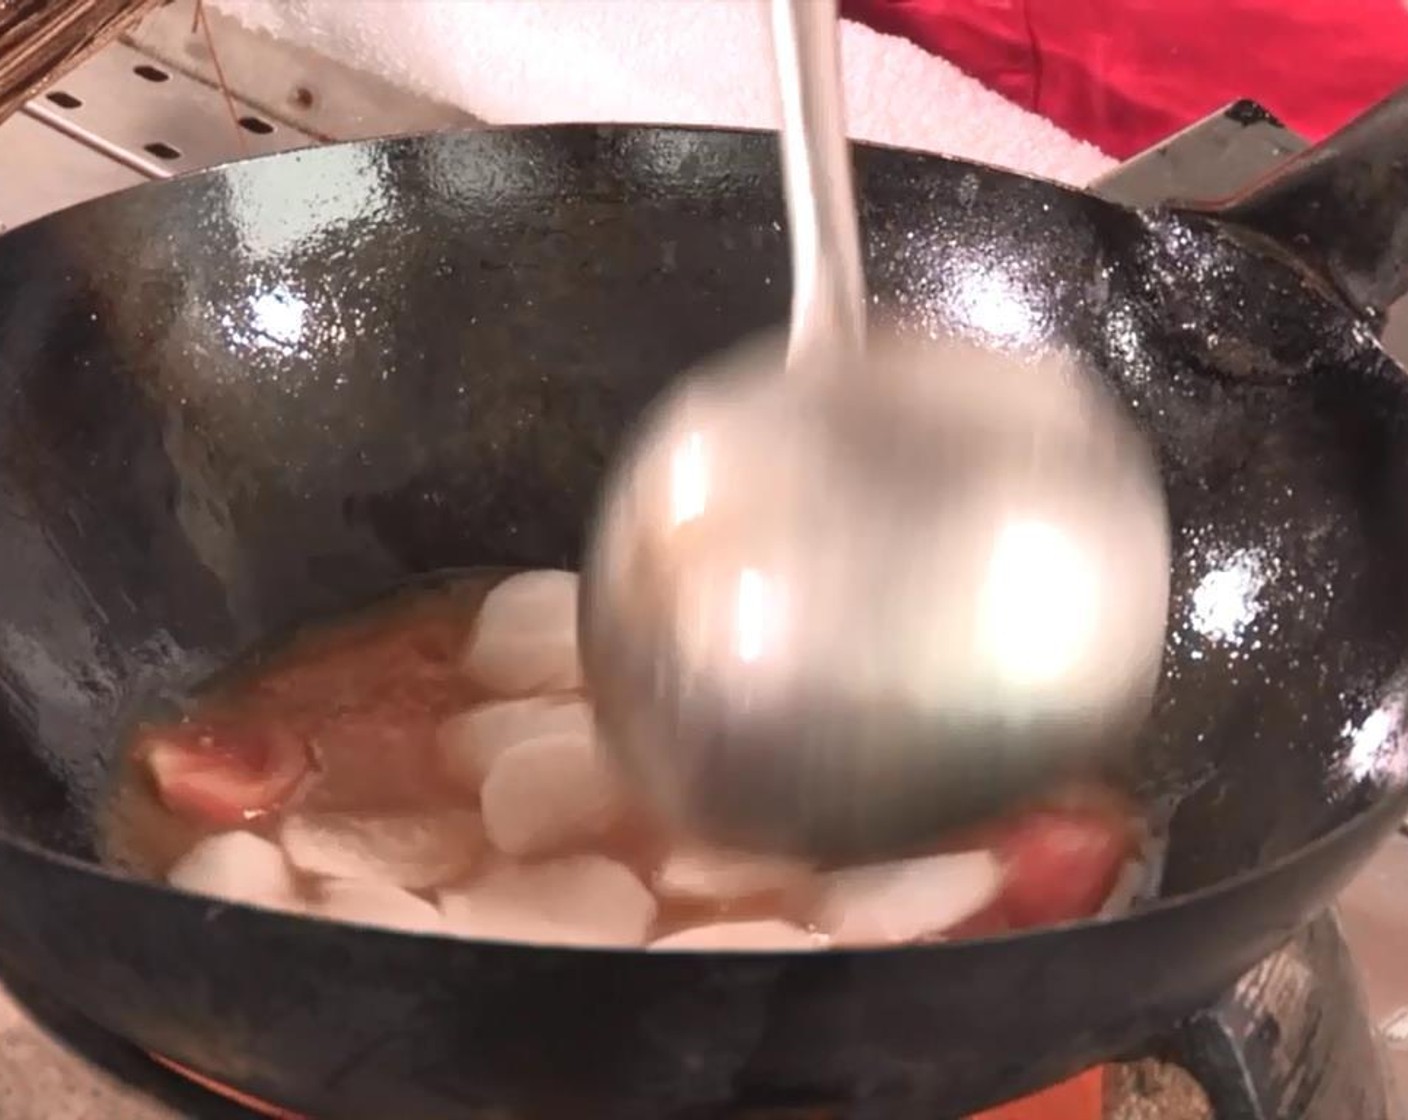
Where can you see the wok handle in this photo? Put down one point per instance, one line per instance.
(1341, 207)
(1293, 1038)
(1214, 1053)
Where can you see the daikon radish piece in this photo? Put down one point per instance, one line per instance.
(766, 935)
(1125, 890)
(471, 741)
(414, 850)
(375, 904)
(237, 867)
(905, 900)
(703, 874)
(525, 638)
(542, 794)
(1138, 878)
(224, 775)
(576, 900)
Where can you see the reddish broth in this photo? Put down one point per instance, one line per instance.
(344, 717)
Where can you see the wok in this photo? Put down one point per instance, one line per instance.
(269, 391)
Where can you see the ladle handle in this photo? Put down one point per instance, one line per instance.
(1341, 206)
(828, 283)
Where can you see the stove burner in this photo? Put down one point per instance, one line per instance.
(244, 1100)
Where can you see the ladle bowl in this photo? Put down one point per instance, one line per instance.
(841, 599)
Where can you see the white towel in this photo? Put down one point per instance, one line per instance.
(664, 62)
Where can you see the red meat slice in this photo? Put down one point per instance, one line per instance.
(223, 774)
(1061, 864)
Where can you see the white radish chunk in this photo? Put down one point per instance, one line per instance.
(470, 741)
(1138, 879)
(545, 793)
(702, 874)
(577, 900)
(413, 850)
(889, 903)
(238, 867)
(525, 638)
(1120, 900)
(760, 936)
(375, 904)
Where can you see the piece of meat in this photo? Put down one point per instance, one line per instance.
(224, 774)
(525, 639)
(1074, 858)
(1062, 864)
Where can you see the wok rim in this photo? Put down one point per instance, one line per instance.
(577, 127)
(1396, 799)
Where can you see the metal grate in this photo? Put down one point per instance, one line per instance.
(150, 107)
(155, 119)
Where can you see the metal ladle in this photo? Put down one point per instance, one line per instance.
(844, 596)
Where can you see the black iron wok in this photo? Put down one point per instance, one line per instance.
(236, 400)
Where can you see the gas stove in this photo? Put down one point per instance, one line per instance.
(1318, 1031)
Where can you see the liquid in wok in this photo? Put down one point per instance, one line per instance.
(431, 766)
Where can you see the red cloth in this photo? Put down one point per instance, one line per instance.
(1124, 74)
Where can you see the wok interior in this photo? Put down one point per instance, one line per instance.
(232, 402)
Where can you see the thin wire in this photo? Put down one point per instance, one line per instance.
(203, 23)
